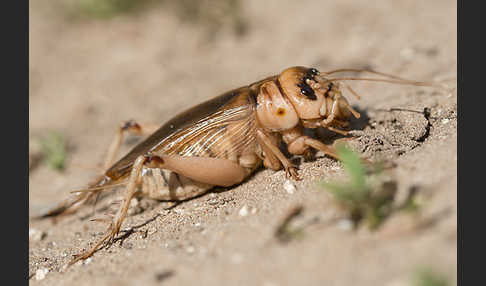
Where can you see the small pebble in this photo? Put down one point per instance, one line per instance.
(213, 202)
(36, 235)
(51, 244)
(164, 212)
(253, 210)
(134, 202)
(407, 53)
(336, 167)
(289, 187)
(345, 224)
(87, 261)
(243, 211)
(151, 230)
(190, 249)
(444, 121)
(41, 273)
(134, 207)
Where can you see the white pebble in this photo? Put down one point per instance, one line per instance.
(41, 273)
(345, 224)
(134, 202)
(336, 167)
(444, 121)
(151, 231)
(88, 261)
(164, 212)
(289, 187)
(243, 211)
(253, 210)
(36, 235)
(407, 53)
(190, 249)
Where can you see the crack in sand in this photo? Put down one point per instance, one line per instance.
(426, 114)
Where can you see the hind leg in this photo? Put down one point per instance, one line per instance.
(132, 128)
(205, 170)
(115, 224)
(165, 185)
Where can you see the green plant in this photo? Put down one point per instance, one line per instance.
(364, 197)
(427, 277)
(212, 14)
(105, 8)
(53, 149)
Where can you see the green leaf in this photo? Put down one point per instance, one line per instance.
(54, 149)
(352, 165)
(427, 277)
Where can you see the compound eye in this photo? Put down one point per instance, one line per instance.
(307, 91)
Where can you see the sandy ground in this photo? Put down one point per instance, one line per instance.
(87, 76)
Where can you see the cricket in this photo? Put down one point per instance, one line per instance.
(222, 141)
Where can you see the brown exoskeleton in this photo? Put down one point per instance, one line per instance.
(222, 141)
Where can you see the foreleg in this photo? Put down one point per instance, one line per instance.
(272, 149)
(298, 144)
